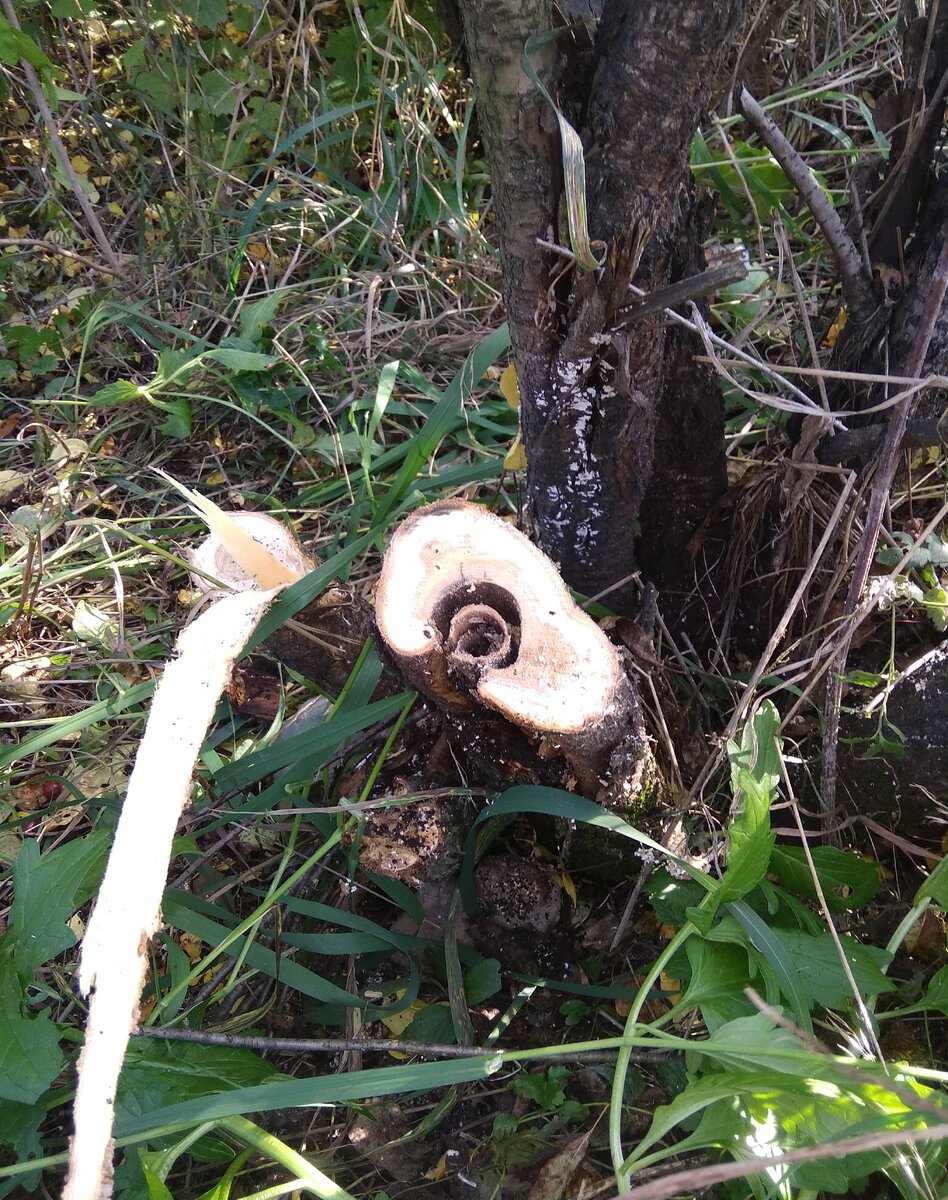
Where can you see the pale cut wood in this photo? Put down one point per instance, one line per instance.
(475, 615)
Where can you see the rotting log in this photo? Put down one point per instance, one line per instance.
(479, 620)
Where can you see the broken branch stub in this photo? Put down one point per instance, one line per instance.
(475, 616)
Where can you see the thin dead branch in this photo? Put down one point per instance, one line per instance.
(857, 283)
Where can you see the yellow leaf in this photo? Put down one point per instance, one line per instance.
(115, 209)
(191, 945)
(258, 251)
(565, 880)
(215, 478)
(670, 986)
(398, 1022)
(509, 387)
(836, 329)
(439, 1171)
(516, 457)
(80, 164)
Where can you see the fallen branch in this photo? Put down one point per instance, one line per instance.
(857, 283)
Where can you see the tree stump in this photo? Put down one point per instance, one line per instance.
(478, 619)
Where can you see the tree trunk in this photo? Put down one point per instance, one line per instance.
(593, 387)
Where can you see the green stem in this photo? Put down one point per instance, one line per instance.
(624, 1058)
(271, 1147)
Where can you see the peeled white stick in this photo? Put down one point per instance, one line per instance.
(249, 551)
(128, 910)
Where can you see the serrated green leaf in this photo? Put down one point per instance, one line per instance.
(818, 973)
(119, 392)
(30, 1057)
(47, 890)
(19, 1128)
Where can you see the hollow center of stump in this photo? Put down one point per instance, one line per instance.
(479, 634)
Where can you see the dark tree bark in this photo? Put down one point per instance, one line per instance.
(597, 394)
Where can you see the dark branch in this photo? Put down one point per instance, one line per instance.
(860, 445)
(857, 283)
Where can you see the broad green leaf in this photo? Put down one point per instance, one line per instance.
(746, 928)
(671, 898)
(719, 974)
(482, 981)
(820, 972)
(30, 1057)
(848, 881)
(47, 890)
(936, 886)
(156, 1189)
(730, 1042)
(694, 1099)
(936, 994)
(158, 1073)
(253, 317)
(15, 44)
(157, 90)
(19, 1128)
(205, 13)
(755, 774)
(807, 966)
(178, 422)
(759, 750)
(433, 1023)
(750, 840)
